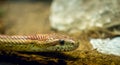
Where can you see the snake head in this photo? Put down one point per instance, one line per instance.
(60, 44)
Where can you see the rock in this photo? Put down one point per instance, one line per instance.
(77, 15)
(107, 46)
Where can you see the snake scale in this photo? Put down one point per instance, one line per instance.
(37, 43)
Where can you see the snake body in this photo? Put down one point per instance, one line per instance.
(37, 43)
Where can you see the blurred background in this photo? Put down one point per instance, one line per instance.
(25, 16)
(43, 16)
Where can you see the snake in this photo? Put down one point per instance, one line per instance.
(37, 43)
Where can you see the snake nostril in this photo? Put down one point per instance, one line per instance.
(61, 42)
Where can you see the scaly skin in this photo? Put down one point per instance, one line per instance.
(37, 43)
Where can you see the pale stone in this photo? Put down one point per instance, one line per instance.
(77, 15)
(107, 46)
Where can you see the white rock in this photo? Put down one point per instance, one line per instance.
(77, 15)
(107, 46)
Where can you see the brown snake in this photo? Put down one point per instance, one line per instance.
(37, 43)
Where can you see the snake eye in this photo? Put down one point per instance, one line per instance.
(61, 42)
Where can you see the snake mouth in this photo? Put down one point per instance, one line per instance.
(63, 48)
